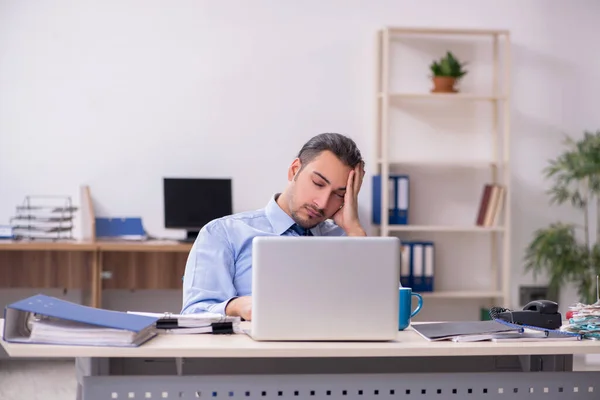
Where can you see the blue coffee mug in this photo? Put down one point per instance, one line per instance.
(404, 311)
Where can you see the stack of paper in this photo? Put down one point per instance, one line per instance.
(57, 331)
(585, 320)
(194, 323)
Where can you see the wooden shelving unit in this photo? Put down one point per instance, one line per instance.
(390, 98)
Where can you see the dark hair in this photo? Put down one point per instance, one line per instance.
(342, 146)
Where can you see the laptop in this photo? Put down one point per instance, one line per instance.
(325, 288)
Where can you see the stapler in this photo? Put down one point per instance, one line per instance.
(538, 313)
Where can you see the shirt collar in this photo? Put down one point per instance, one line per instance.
(278, 218)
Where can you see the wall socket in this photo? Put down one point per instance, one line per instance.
(530, 293)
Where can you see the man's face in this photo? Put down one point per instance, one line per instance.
(317, 192)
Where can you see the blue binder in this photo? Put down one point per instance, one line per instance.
(429, 266)
(420, 256)
(405, 266)
(399, 190)
(16, 316)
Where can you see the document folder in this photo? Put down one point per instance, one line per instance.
(120, 228)
(43, 319)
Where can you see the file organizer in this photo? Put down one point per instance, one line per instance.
(417, 266)
(399, 190)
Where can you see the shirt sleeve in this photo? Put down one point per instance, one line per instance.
(209, 271)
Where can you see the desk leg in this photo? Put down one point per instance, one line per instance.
(88, 367)
(179, 366)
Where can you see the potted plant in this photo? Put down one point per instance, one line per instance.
(446, 72)
(563, 250)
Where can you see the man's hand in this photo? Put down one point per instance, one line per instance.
(240, 307)
(347, 217)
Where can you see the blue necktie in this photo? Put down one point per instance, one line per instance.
(300, 230)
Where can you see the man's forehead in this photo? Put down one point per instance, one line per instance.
(330, 162)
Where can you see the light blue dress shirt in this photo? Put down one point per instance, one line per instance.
(219, 266)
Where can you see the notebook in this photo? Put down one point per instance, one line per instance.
(42, 319)
(450, 330)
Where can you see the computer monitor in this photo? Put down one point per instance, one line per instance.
(191, 203)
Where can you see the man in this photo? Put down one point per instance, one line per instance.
(323, 184)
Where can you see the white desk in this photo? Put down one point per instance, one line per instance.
(236, 367)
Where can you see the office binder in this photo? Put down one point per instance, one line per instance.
(428, 266)
(402, 200)
(417, 267)
(377, 206)
(44, 319)
(405, 275)
(418, 273)
(398, 199)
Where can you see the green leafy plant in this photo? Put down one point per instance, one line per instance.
(448, 66)
(564, 250)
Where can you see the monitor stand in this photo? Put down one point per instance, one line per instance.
(190, 237)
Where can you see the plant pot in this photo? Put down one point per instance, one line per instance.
(443, 84)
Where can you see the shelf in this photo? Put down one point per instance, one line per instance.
(446, 31)
(461, 294)
(444, 96)
(444, 228)
(443, 163)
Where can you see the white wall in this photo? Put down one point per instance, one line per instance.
(118, 94)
